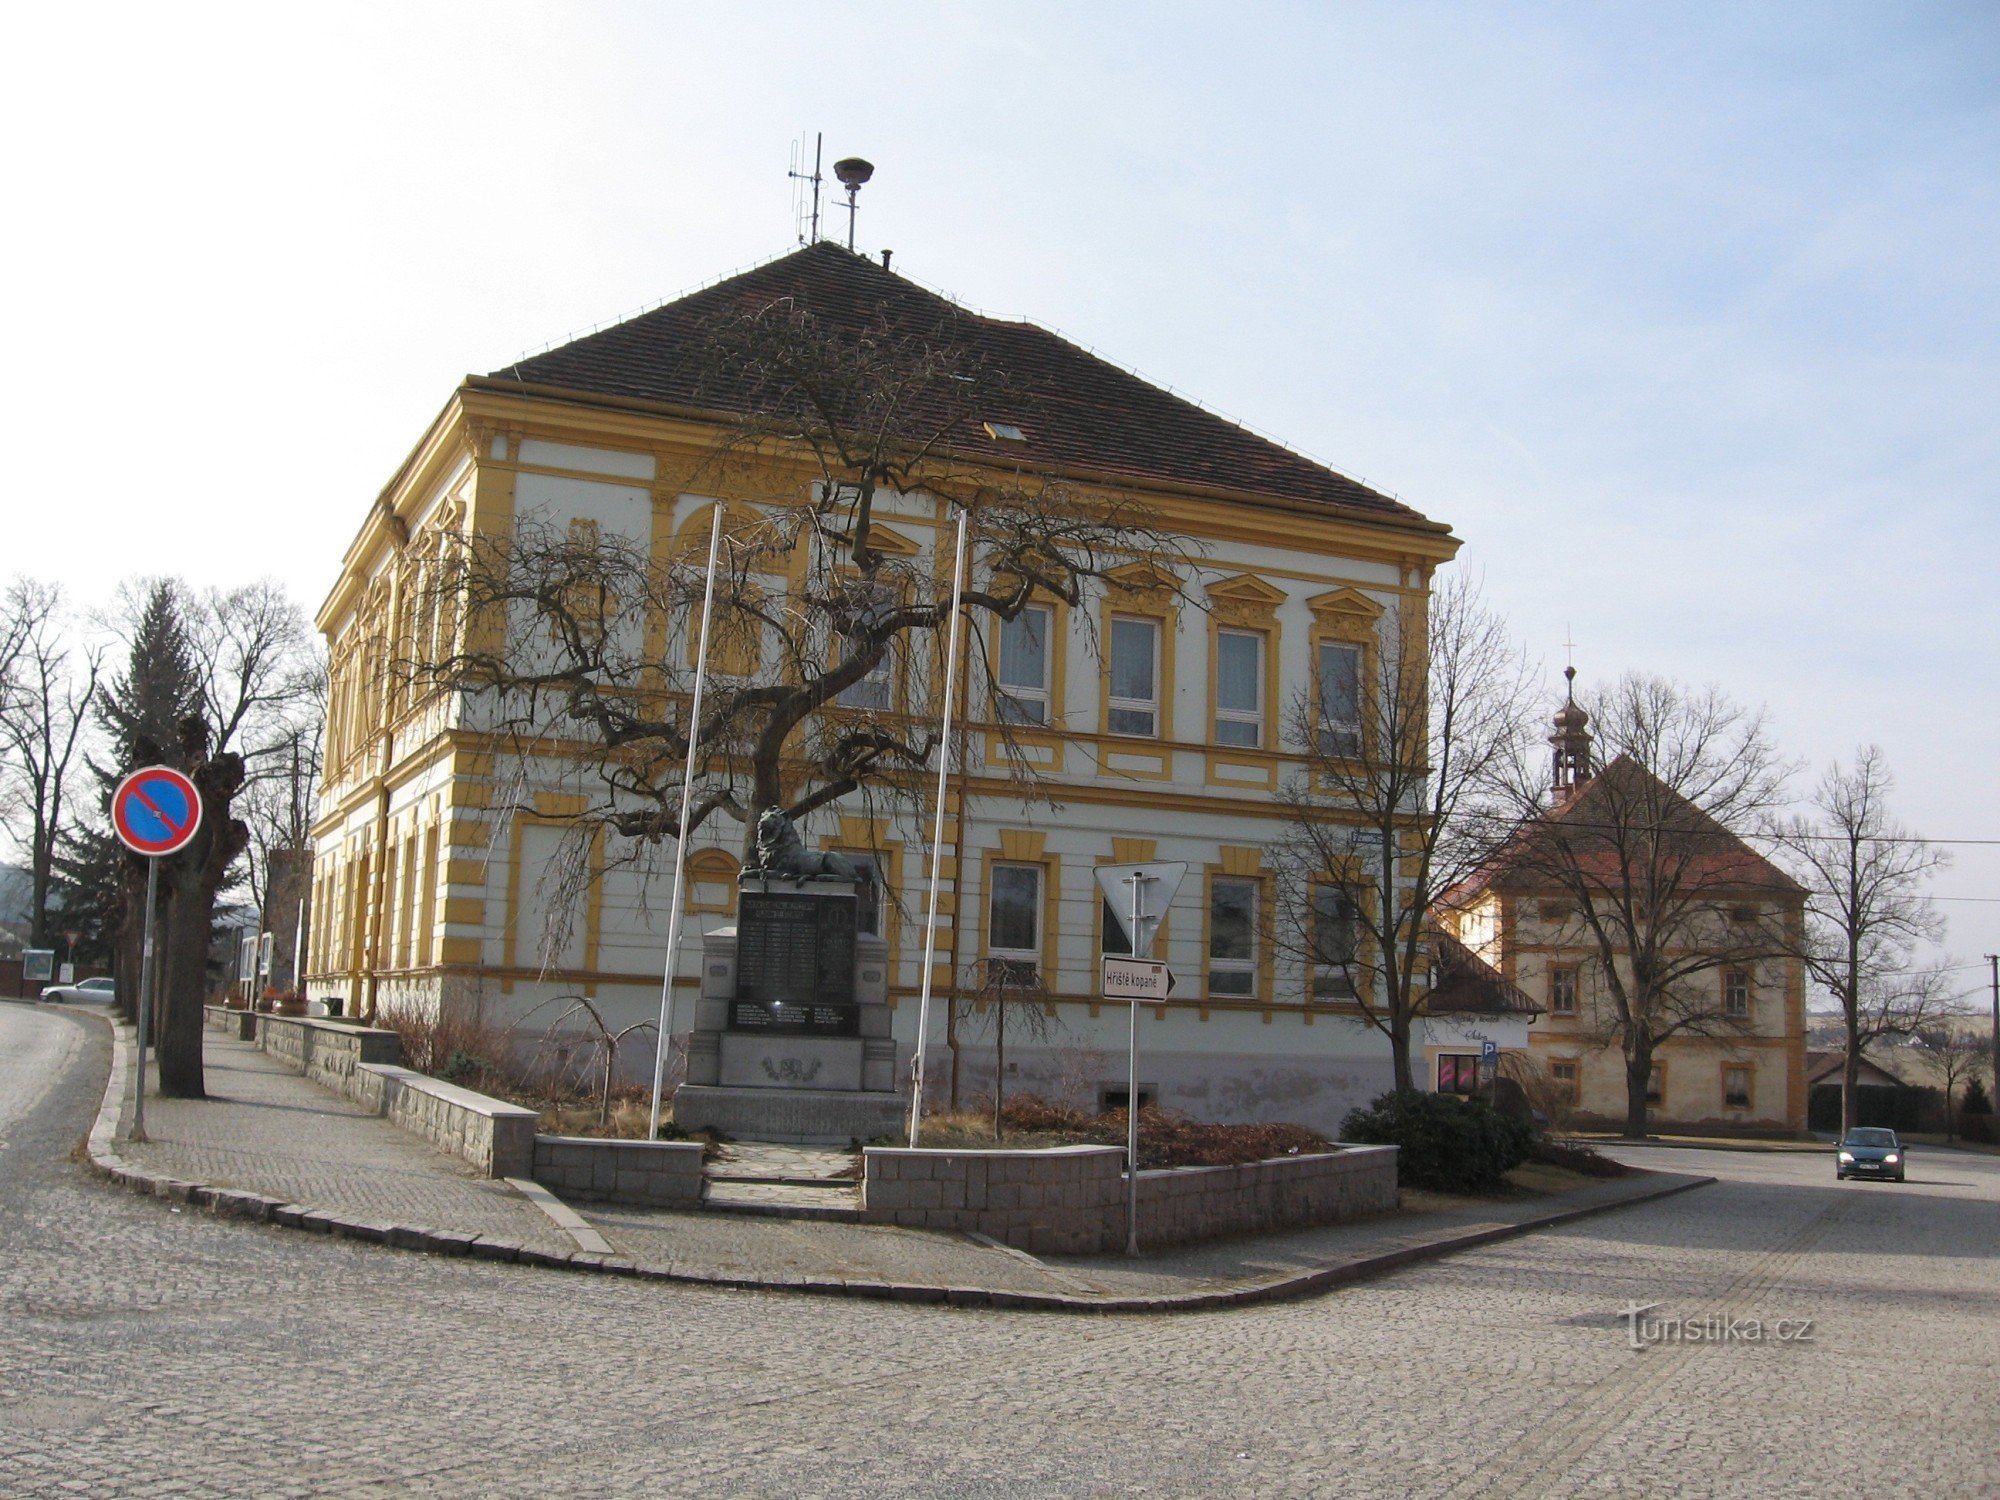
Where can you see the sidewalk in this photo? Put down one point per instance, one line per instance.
(270, 1145)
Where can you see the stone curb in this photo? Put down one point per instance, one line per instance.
(259, 1208)
(1669, 1143)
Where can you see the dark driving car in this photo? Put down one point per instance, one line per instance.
(1866, 1151)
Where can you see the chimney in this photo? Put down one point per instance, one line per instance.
(885, 258)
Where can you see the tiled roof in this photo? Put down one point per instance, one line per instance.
(1710, 856)
(1468, 985)
(1078, 413)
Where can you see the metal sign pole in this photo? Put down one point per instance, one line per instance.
(937, 838)
(681, 846)
(1132, 1097)
(145, 997)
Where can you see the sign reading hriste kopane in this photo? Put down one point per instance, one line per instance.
(156, 811)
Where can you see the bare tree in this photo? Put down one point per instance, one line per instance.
(825, 626)
(277, 807)
(1866, 911)
(45, 698)
(1010, 991)
(1955, 1057)
(241, 663)
(1653, 884)
(607, 1039)
(1397, 800)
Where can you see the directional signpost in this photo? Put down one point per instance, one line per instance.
(156, 811)
(1142, 893)
(1141, 979)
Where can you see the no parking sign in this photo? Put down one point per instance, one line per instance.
(155, 811)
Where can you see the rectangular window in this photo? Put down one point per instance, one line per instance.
(876, 690)
(1239, 688)
(1736, 1087)
(1014, 912)
(1232, 937)
(1656, 1084)
(1736, 994)
(1339, 684)
(1023, 679)
(1115, 939)
(1135, 677)
(1458, 1073)
(1335, 941)
(869, 897)
(1562, 991)
(1568, 1079)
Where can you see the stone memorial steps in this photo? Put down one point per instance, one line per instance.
(840, 1201)
(783, 1181)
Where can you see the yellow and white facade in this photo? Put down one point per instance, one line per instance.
(430, 859)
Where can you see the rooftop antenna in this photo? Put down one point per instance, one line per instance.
(852, 172)
(798, 194)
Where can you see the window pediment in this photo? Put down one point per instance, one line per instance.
(1244, 600)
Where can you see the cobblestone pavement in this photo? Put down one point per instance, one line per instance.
(145, 1352)
(267, 1130)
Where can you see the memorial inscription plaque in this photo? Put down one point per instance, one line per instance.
(795, 965)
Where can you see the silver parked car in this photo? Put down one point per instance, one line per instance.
(85, 992)
(1868, 1151)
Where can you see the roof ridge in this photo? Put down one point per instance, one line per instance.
(1112, 418)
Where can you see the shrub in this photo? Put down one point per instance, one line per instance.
(1449, 1144)
(1976, 1102)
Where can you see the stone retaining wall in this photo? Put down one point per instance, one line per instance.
(1183, 1205)
(658, 1174)
(362, 1064)
(1059, 1201)
(239, 1024)
(327, 1052)
(1071, 1200)
(496, 1137)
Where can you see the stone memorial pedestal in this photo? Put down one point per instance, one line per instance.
(791, 1037)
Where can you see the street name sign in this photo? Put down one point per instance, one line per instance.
(156, 811)
(1143, 979)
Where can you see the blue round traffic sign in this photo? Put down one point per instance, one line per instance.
(155, 811)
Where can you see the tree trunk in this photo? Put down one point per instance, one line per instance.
(1638, 1074)
(182, 983)
(189, 883)
(1399, 1051)
(1850, 1082)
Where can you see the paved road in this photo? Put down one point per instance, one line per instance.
(147, 1352)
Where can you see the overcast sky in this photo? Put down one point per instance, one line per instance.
(1683, 316)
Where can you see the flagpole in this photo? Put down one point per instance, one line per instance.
(680, 849)
(937, 834)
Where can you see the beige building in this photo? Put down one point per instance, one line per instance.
(1735, 1058)
(1155, 717)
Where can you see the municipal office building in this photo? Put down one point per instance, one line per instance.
(1154, 721)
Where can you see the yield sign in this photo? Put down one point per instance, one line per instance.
(155, 811)
(1156, 886)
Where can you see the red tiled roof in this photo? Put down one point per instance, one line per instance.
(1079, 414)
(1708, 856)
(1468, 985)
